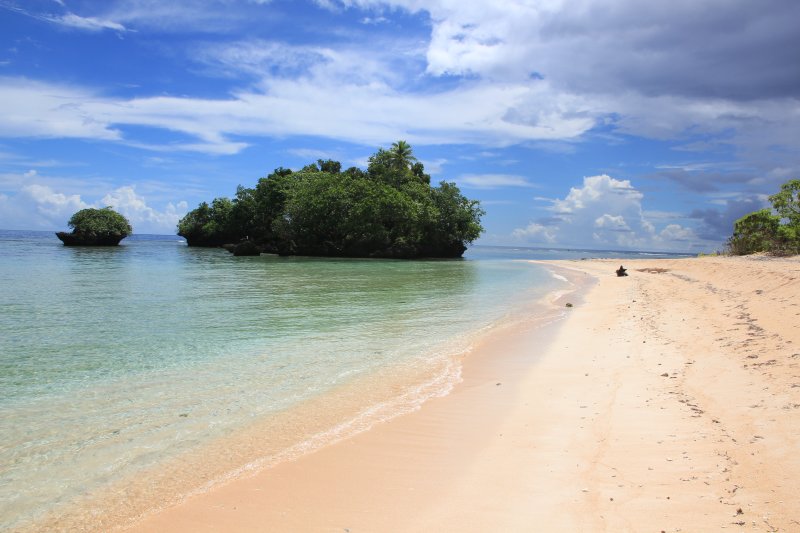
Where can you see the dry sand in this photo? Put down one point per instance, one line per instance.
(668, 400)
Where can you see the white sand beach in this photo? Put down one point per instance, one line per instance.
(667, 400)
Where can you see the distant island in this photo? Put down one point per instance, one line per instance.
(96, 227)
(388, 211)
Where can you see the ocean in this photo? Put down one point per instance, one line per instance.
(119, 365)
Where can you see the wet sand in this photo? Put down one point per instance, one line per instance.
(667, 400)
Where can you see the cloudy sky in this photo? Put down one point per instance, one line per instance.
(577, 123)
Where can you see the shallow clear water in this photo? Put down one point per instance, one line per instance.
(113, 360)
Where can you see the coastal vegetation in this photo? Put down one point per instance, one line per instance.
(388, 210)
(96, 227)
(775, 231)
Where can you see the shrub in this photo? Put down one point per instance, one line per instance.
(99, 223)
(755, 232)
(765, 231)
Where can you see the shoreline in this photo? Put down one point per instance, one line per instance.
(478, 374)
(347, 410)
(668, 400)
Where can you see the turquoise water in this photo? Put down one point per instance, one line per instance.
(114, 360)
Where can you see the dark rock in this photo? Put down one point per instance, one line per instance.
(81, 239)
(246, 248)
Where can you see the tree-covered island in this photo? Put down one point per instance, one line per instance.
(389, 211)
(96, 227)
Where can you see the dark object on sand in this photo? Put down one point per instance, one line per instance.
(621, 271)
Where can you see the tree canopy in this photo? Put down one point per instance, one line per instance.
(389, 210)
(100, 222)
(775, 232)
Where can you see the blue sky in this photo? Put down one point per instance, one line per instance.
(614, 124)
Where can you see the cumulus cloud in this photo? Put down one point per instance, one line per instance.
(603, 212)
(726, 69)
(135, 208)
(52, 206)
(612, 223)
(719, 73)
(536, 73)
(675, 232)
(536, 233)
(684, 48)
(37, 206)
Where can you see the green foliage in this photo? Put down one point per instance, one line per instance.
(210, 225)
(764, 231)
(389, 210)
(402, 155)
(787, 202)
(788, 240)
(754, 232)
(100, 223)
(328, 165)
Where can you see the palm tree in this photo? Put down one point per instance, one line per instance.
(401, 154)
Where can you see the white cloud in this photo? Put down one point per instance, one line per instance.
(210, 16)
(435, 167)
(37, 109)
(37, 206)
(543, 71)
(363, 113)
(260, 58)
(69, 20)
(536, 233)
(144, 218)
(374, 20)
(313, 154)
(52, 205)
(687, 48)
(330, 5)
(611, 222)
(721, 68)
(87, 23)
(491, 181)
(500, 46)
(604, 212)
(676, 232)
(534, 73)
(595, 191)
